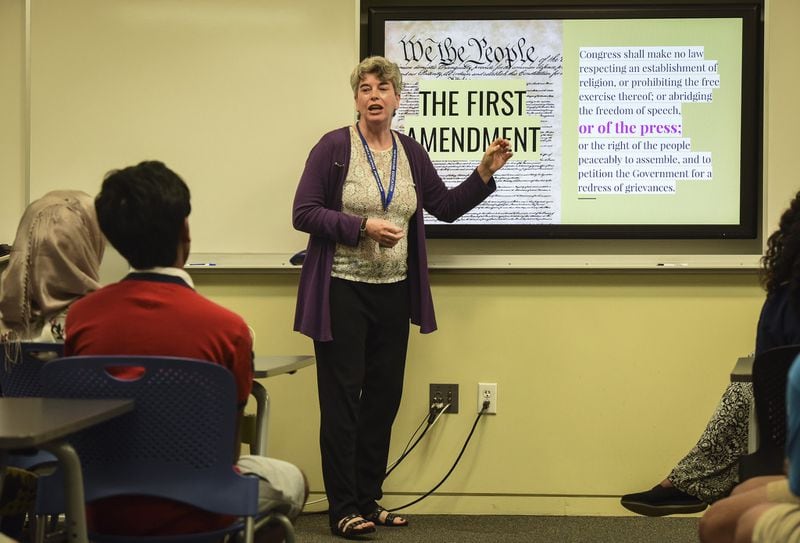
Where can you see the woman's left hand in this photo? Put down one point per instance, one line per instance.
(495, 157)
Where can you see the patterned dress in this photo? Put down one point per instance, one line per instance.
(711, 468)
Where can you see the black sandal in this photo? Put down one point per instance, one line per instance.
(352, 527)
(388, 520)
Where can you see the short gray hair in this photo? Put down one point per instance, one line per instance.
(384, 69)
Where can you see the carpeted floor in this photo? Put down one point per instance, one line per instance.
(313, 528)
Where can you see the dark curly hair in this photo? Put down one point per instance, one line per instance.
(781, 262)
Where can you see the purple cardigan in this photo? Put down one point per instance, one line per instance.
(317, 210)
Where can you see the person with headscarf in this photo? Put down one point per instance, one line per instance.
(54, 261)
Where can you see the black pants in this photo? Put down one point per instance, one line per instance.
(360, 382)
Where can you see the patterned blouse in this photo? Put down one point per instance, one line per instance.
(368, 262)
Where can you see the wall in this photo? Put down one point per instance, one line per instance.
(605, 380)
(231, 95)
(12, 135)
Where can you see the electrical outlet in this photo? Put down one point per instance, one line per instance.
(487, 391)
(444, 394)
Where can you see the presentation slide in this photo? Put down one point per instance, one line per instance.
(612, 122)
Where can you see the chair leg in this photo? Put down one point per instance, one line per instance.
(280, 518)
(39, 528)
(288, 527)
(249, 530)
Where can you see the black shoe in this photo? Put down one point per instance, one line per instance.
(662, 500)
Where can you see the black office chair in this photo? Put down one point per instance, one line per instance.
(770, 370)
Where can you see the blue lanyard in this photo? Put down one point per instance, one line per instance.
(386, 199)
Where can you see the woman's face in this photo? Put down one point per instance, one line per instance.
(376, 100)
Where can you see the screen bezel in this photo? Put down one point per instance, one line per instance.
(374, 13)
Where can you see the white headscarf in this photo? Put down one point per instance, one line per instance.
(54, 261)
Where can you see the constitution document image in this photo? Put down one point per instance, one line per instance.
(469, 82)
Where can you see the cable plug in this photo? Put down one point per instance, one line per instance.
(486, 404)
(434, 410)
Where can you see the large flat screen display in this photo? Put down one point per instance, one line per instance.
(627, 121)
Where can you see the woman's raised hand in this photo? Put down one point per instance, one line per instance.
(495, 157)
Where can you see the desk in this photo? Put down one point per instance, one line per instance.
(742, 372)
(45, 423)
(269, 366)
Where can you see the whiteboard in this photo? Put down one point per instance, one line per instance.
(230, 94)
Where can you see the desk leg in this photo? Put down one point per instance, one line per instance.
(73, 490)
(752, 430)
(259, 446)
(3, 470)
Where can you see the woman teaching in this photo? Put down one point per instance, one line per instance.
(365, 275)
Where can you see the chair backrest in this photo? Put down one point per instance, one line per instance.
(177, 443)
(20, 370)
(770, 372)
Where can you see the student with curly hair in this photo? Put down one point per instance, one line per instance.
(710, 470)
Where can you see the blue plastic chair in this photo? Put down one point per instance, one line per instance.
(20, 376)
(177, 443)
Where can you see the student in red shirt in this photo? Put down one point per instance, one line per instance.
(143, 211)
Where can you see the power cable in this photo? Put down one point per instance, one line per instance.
(406, 450)
(402, 454)
(409, 449)
(460, 454)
